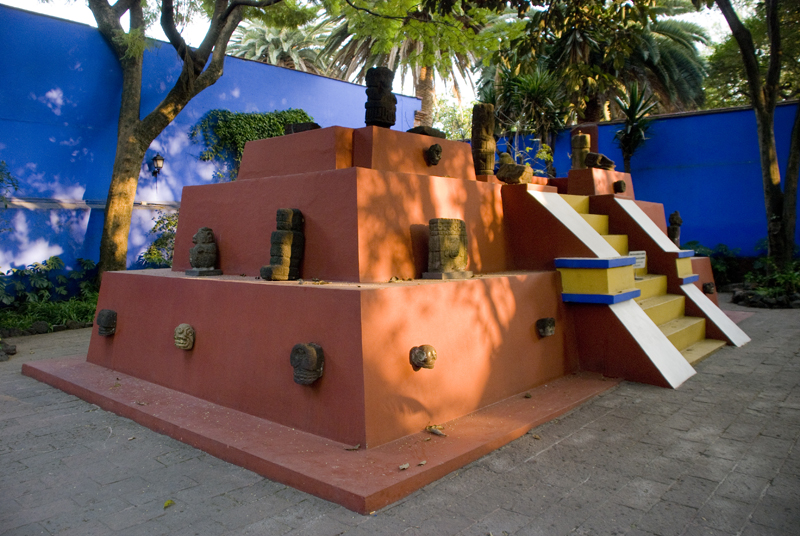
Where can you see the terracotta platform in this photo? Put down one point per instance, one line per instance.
(361, 480)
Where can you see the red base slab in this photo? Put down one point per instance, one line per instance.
(593, 181)
(360, 480)
(702, 267)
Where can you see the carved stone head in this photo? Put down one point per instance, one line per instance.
(620, 187)
(675, 219)
(546, 327)
(106, 322)
(307, 361)
(184, 337)
(433, 154)
(423, 356)
(709, 288)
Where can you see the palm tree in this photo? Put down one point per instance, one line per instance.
(293, 48)
(635, 107)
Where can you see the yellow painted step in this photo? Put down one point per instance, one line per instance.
(684, 331)
(684, 267)
(619, 242)
(701, 350)
(599, 222)
(579, 202)
(662, 309)
(651, 285)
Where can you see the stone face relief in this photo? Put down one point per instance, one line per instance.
(581, 144)
(620, 187)
(600, 161)
(287, 247)
(447, 247)
(184, 336)
(433, 154)
(381, 103)
(203, 256)
(546, 327)
(423, 356)
(674, 229)
(308, 361)
(709, 288)
(483, 143)
(106, 322)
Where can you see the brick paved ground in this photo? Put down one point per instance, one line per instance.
(718, 456)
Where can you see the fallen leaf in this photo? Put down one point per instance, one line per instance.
(536, 436)
(435, 430)
(427, 439)
(131, 438)
(404, 467)
(168, 504)
(354, 447)
(528, 395)
(423, 462)
(141, 403)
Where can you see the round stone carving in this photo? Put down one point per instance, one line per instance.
(308, 361)
(423, 356)
(184, 337)
(106, 322)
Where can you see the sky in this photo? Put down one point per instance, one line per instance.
(78, 11)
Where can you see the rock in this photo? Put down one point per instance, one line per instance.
(39, 327)
(515, 174)
(428, 131)
(9, 349)
(782, 301)
(795, 304)
(3, 357)
(770, 302)
(74, 324)
(59, 327)
(598, 160)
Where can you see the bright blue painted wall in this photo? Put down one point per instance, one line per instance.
(59, 103)
(704, 165)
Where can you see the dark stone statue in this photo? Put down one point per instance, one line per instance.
(581, 144)
(620, 187)
(447, 250)
(597, 160)
(294, 128)
(674, 229)
(287, 246)
(709, 288)
(184, 336)
(106, 322)
(546, 327)
(381, 103)
(483, 144)
(514, 174)
(433, 154)
(203, 256)
(428, 131)
(423, 356)
(307, 361)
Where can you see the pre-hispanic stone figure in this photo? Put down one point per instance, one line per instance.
(287, 244)
(203, 256)
(483, 144)
(546, 327)
(597, 160)
(433, 154)
(184, 336)
(308, 361)
(674, 229)
(447, 250)
(620, 187)
(423, 356)
(106, 322)
(514, 174)
(580, 148)
(381, 103)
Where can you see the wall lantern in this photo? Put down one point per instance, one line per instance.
(158, 163)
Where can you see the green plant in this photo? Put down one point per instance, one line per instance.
(773, 280)
(634, 107)
(8, 183)
(723, 259)
(224, 134)
(46, 281)
(159, 253)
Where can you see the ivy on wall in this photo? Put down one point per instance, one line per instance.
(224, 133)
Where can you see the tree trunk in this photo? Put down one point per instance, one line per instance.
(424, 90)
(626, 160)
(594, 110)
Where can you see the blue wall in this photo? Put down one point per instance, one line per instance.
(59, 106)
(706, 166)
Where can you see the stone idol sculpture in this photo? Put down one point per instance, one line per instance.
(203, 256)
(307, 361)
(423, 356)
(184, 336)
(546, 327)
(600, 161)
(381, 103)
(432, 154)
(580, 148)
(106, 322)
(287, 244)
(447, 250)
(483, 144)
(674, 229)
(620, 187)
(514, 173)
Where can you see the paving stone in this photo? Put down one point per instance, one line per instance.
(724, 514)
(640, 493)
(667, 518)
(745, 488)
(777, 513)
(690, 491)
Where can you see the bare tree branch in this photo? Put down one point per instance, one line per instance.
(171, 30)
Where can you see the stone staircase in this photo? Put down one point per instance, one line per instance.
(667, 311)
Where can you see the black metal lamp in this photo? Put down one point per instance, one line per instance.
(158, 163)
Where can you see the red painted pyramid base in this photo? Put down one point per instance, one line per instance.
(360, 480)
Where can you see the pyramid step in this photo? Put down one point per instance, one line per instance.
(684, 331)
(618, 241)
(579, 202)
(662, 309)
(599, 222)
(651, 285)
(701, 350)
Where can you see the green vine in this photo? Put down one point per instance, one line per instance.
(224, 133)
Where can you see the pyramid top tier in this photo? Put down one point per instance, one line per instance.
(339, 148)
